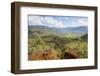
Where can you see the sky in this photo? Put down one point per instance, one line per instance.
(57, 21)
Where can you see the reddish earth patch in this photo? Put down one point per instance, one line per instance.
(48, 55)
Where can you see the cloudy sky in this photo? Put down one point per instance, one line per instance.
(57, 21)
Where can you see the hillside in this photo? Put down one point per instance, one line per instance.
(85, 36)
(48, 43)
(64, 32)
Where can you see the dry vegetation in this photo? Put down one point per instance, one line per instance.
(52, 47)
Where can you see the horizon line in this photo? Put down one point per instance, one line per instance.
(58, 27)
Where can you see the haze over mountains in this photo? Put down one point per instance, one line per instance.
(82, 29)
(40, 29)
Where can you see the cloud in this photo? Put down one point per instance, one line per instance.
(53, 22)
(82, 22)
(46, 21)
(58, 21)
(77, 21)
(34, 20)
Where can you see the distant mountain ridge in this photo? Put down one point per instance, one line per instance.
(62, 30)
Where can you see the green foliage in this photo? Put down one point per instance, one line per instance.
(44, 43)
(80, 46)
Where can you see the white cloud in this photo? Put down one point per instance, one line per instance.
(46, 21)
(51, 21)
(78, 22)
(82, 22)
(34, 20)
(60, 24)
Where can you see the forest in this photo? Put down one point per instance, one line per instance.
(46, 43)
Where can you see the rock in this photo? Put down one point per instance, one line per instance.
(71, 54)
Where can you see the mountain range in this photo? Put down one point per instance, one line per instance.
(45, 30)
